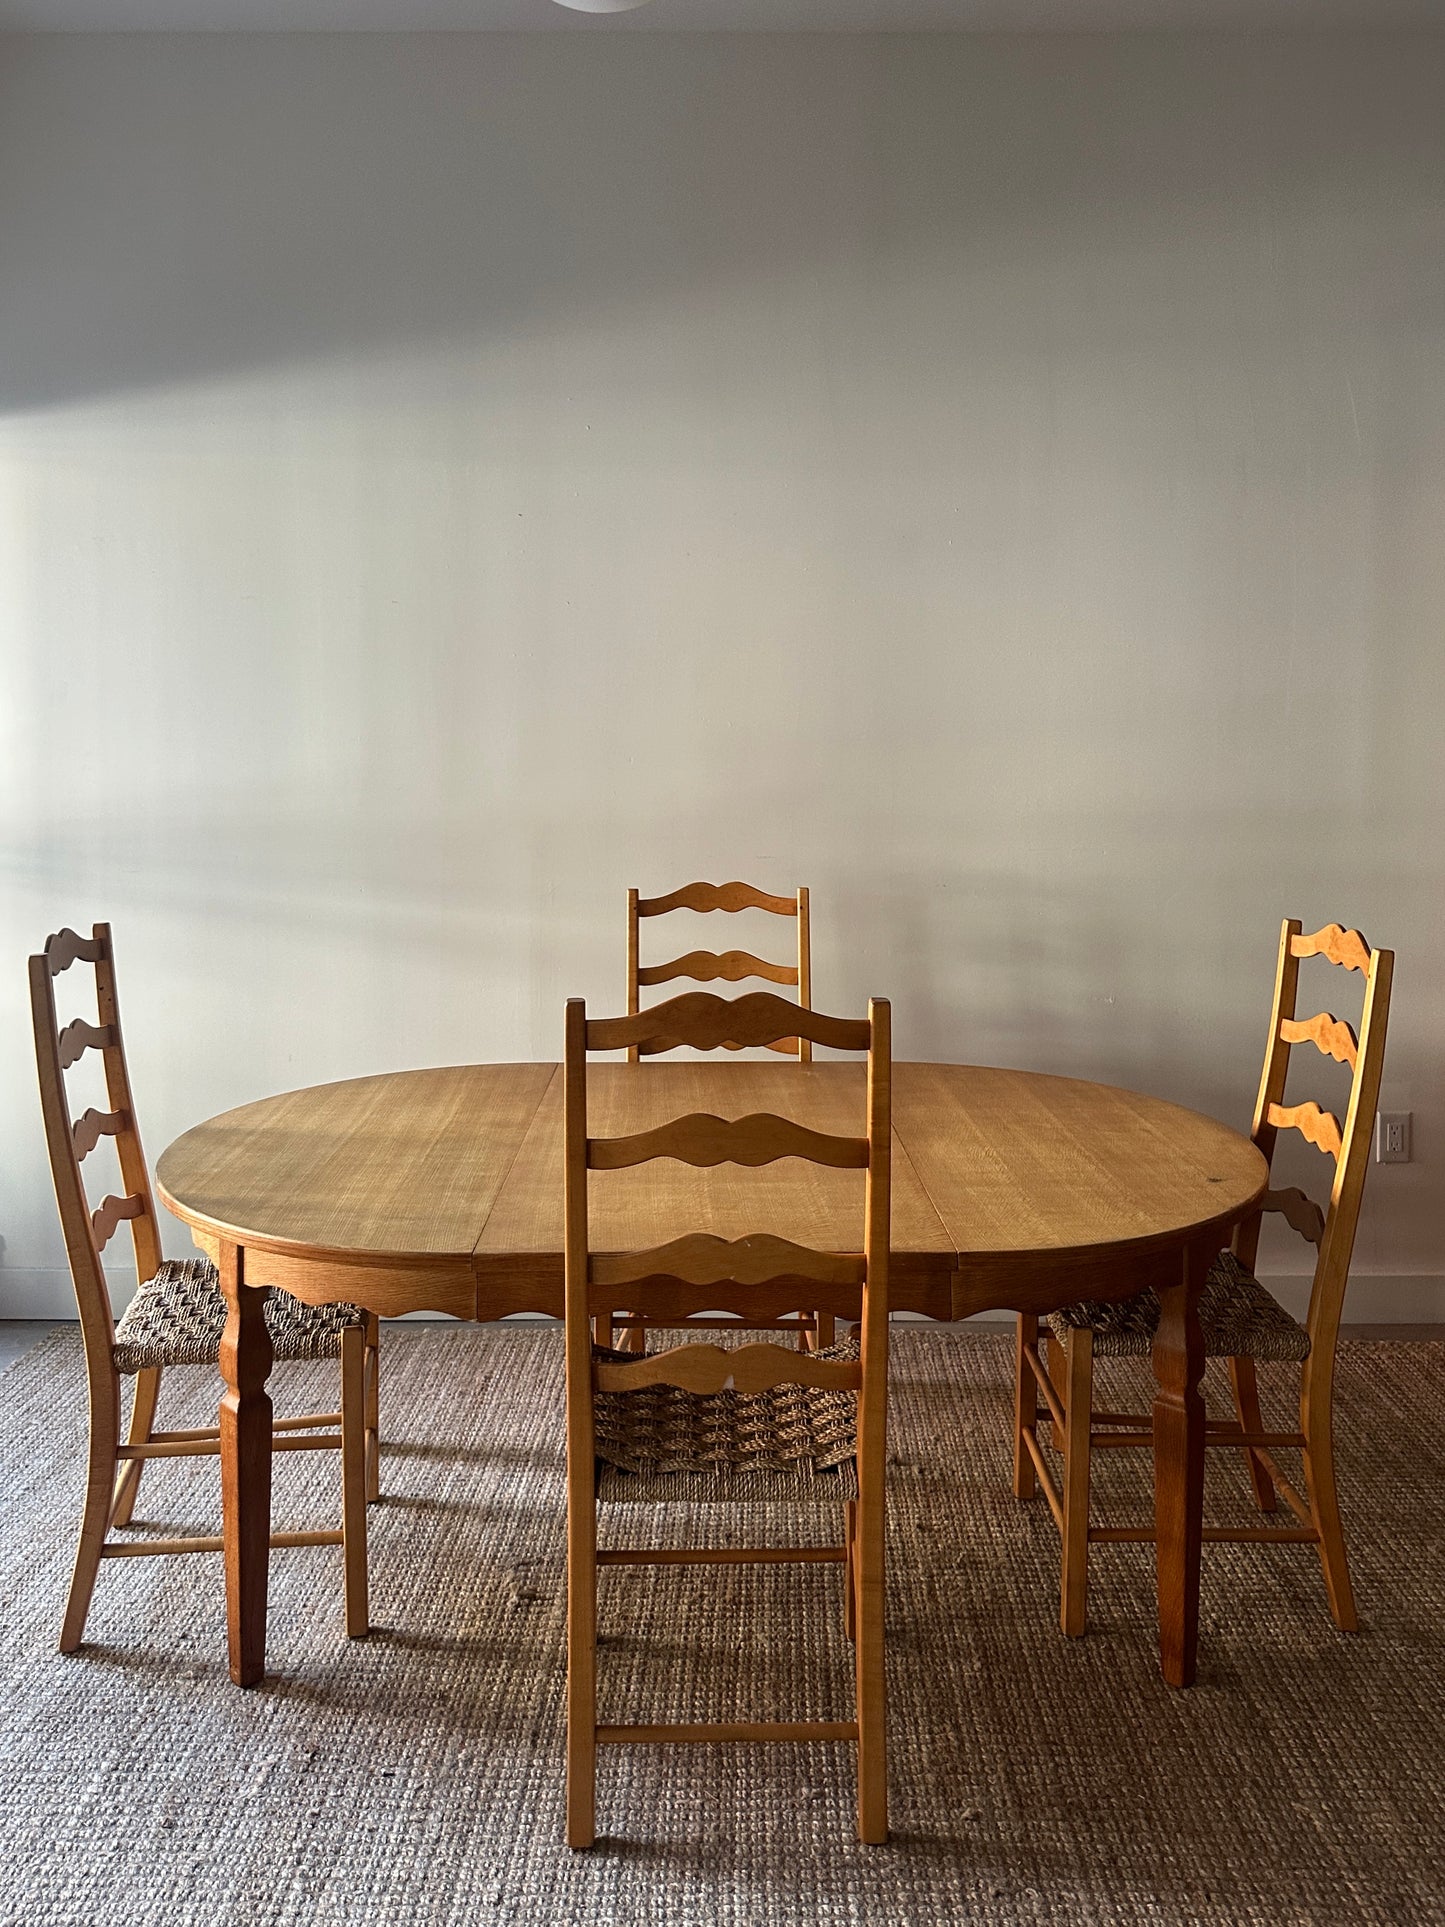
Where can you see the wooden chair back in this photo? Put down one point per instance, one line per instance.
(732, 966)
(759, 1276)
(70, 1140)
(1331, 1230)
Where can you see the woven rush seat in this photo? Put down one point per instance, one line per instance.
(1239, 1317)
(791, 1442)
(177, 1318)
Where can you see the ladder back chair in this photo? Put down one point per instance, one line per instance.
(815, 1328)
(732, 966)
(177, 1316)
(1242, 1322)
(700, 1421)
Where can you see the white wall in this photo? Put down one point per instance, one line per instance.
(446, 480)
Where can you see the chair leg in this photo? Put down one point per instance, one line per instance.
(1319, 1465)
(1026, 1404)
(868, 1660)
(142, 1419)
(99, 1497)
(825, 1332)
(1246, 1403)
(1078, 1417)
(1054, 1363)
(581, 1662)
(353, 1478)
(850, 1576)
(373, 1407)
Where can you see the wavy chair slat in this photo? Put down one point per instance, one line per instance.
(703, 966)
(703, 1259)
(78, 1037)
(68, 946)
(1345, 947)
(786, 1047)
(1321, 1128)
(1298, 1210)
(705, 897)
(87, 1131)
(700, 1138)
(715, 1368)
(662, 1299)
(705, 1022)
(1330, 1035)
(111, 1212)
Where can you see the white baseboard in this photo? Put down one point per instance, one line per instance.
(1374, 1298)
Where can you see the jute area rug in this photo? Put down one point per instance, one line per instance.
(417, 1777)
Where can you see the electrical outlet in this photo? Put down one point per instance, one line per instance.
(1392, 1137)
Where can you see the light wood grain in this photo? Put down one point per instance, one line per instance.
(1330, 1035)
(67, 947)
(1009, 1189)
(405, 1166)
(705, 1139)
(78, 1037)
(1300, 1212)
(1341, 946)
(1031, 1174)
(92, 1126)
(706, 897)
(111, 1213)
(1321, 1128)
(708, 966)
(700, 1258)
(734, 1023)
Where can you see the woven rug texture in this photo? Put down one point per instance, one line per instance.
(416, 1777)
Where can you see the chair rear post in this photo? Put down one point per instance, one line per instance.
(145, 1230)
(581, 1448)
(805, 971)
(632, 962)
(97, 1321)
(1272, 1078)
(1332, 1271)
(868, 1546)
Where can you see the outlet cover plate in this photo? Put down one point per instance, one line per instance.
(1392, 1137)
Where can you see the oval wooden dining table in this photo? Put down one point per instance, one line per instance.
(441, 1190)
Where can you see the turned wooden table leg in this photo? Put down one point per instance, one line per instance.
(245, 1424)
(1179, 1466)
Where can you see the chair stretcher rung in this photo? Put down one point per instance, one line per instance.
(154, 1548)
(1213, 1535)
(209, 1448)
(1046, 1478)
(683, 1735)
(1045, 1384)
(724, 1556)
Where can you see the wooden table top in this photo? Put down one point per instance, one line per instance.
(443, 1188)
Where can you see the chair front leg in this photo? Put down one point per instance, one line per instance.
(1078, 1420)
(373, 1407)
(142, 1422)
(353, 1478)
(1026, 1403)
